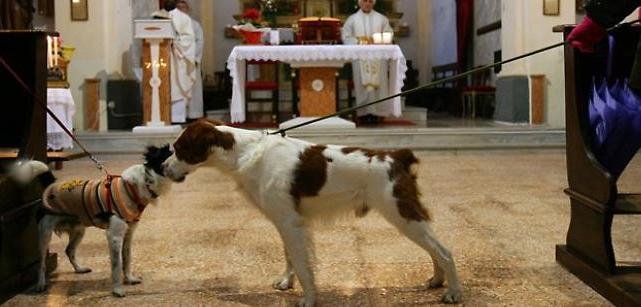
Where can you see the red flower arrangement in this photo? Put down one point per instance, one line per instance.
(251, 15)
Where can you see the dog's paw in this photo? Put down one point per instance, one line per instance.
(452, 296)
(283, 283)
(118, 292)
(132, 280)
(305, 302)
(435, 282)
(82, 270)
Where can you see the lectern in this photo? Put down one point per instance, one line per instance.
(157, 35)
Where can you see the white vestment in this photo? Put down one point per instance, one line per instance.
(195, 104)
(371, 80)
(183, 65)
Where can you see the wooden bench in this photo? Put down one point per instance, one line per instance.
(23, 122)
(594, 198)
(56, 157)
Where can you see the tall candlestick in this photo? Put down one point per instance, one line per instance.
(55, 51)
(49, 61)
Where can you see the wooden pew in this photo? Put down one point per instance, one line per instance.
(594, 198)
(22, 122)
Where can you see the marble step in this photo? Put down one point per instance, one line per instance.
(378, 138)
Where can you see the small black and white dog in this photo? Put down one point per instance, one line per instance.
(114, 204)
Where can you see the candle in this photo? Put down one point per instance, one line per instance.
(377, 38)
(55, 51)
(387, 37)
(49, 62)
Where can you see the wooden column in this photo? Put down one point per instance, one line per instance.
(537, 90)
(317, 91)
(91, 105)
(164, 69)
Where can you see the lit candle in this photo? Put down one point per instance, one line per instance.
(377, 38)
(387, 37)
(49, 62)
(55, 51)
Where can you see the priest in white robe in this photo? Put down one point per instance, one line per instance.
(183, 61)
(195, 107)
(371, 80)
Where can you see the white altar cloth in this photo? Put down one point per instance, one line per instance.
(60, 102)
(312, 56)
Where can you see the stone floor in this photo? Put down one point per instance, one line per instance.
(500, 212)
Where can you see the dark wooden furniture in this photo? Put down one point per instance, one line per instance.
(445, 96)
(478, 92)
(268, 81)
(23, 122)
(594, 199)
(315, 30)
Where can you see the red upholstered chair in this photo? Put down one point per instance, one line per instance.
(267, 82)
(478, 92)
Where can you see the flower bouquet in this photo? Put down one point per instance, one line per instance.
(250, 27)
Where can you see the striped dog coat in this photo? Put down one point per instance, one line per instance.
(93, 201)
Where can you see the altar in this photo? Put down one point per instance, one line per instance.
(313, 56)
(60, 102)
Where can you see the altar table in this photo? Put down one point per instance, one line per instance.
(312, 56)
(60, 102)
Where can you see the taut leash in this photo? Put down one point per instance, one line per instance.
(43, 104)
(441, 81)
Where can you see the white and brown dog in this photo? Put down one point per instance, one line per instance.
(292, 182)
(114, 204)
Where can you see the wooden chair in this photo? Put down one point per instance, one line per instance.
(23, 121)
(443, 97)
(478, 91)
(267, 82)
(594, 199)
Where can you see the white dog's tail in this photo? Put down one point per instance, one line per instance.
(26, 172)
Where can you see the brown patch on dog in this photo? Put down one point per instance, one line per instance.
(310, 173)
(194, 144)
(405, 189)
(370, 153)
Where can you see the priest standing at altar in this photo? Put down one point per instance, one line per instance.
(195, 109)
(371, 81)
(183, 60)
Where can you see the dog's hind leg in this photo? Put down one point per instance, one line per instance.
(294, 239)
(130, 279)
(285, 281)
(115, 237)
(76, 233)
(45, 230)
(421, 233)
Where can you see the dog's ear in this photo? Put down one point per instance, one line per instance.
(196, 142)
(155, 156)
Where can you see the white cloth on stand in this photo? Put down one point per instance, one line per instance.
(195, 106)
(370, 76)
(60, 102)
(183, 61)
(315, 54)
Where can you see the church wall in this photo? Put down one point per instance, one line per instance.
(443, 44)
(531, 30)
(486, 12)
(105, 47)
(410, 15)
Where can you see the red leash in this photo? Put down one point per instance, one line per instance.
(99, 165)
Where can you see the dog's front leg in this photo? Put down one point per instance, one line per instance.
(130, 279)
(115, 236)
(293, 235)
(285, 281)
